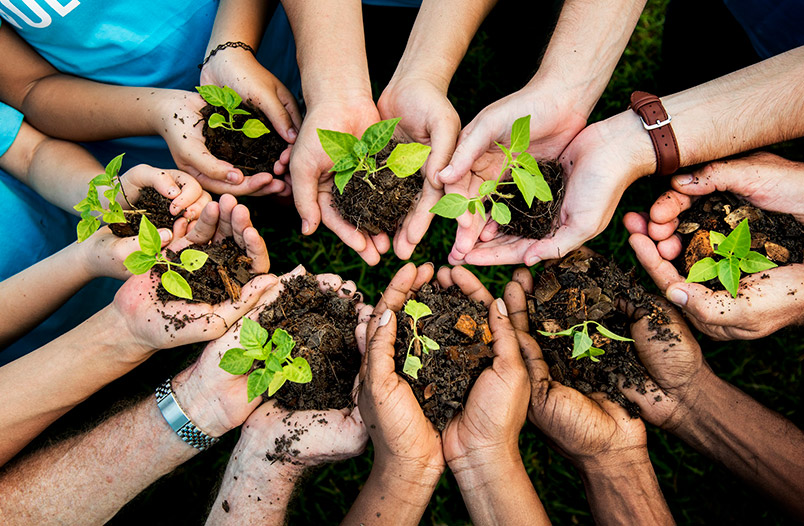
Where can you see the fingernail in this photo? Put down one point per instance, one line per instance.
(173, 192)
(531, 260)
(446, 172)
(305, 226)
(298, 271)
(677, 296)
(165, 235)
(385, 318)
(683, 180)
(501, 306)
(292, 134)
(233, 177)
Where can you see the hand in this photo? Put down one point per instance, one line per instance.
(427, 118)
(312, 182)
(104, 252)
(182, 189)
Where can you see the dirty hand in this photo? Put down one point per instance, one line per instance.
(186, 195)
(104, 253)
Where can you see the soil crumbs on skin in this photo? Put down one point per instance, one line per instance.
(251, 156)
(539, 220)
(323, 327)
(775, 235)
(221, 278)
(157, 208)
(582, 287)
(379, 209)
(460, 326)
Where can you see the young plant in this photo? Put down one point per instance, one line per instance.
(581, 341)
(279, 366)
(150, 254)
(735, 249)
(352, 155)
(229, 100)
(420, 342)
(525, 173)
(91, 203)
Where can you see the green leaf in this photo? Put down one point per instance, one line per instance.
(176, 285)
(212, 94)
(113, 168)
(254, 128)
(235, 362)
(298, 371)
(216, 120)
(284, 343)
(501, 213)
(412, 366)
(231, 99)
(728, 272)
(253, 336)
(272, 363)
(377, 135)
(594, 351)
(83, 206)
(139, 262)
(429, 344)
(100, 180)
(149, 239)
(506, 151)
(417, 310)
(530, 164)
(344, 164)
(565, 332)
(406, 159)
(581, 342)
(472, 206)
(715, 239)
(520, 134)
(276, 383)
(238, 111)
(608, 334)
(526, 184)
(336, 144)
(192, 259)
(342, 179)
(114, 214)
(88, 225)
(486, 188)
(542, 189)
(450, 206)
(258, 382)
(755, 262)
(737, 243)
(360, 149)
(703, 270)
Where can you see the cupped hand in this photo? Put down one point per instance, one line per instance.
(104, 252)
(183, 190)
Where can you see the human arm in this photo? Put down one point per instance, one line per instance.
(768, 301)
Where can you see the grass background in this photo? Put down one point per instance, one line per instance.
(697, 490)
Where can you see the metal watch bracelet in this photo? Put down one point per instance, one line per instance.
(178, 420)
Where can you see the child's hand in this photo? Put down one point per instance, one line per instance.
(104, 252)
(185, 192)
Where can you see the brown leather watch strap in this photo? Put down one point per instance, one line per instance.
(657, 123)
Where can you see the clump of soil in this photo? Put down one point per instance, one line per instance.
(379, 209)
(539, 220)
(251, 156)
(460, 326)
(221, 278)
(583, 287)
(323, 326)
(775, 235)
(157, 208)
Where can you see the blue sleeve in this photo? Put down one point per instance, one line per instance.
(10, 123)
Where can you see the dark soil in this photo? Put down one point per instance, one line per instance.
(583, 287)
(221, 277)
(157, 208)
(538, 221)
(378, 209)
(460, 326)
(778, 236)
(251, 156)
(323, 326)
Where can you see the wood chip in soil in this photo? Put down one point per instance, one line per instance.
(537, 221)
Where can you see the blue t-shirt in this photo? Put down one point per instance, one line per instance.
(773, 26)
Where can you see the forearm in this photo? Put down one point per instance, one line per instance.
(60, 375)
(757, 444)
(239, 21)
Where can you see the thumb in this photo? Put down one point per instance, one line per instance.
(705, 305)
(735, 176)
(231, 311)
(381, 348)
(442, 140)
(565, 240)
(305, 195)
(470, 147)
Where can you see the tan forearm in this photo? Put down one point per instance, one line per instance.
(239, 21)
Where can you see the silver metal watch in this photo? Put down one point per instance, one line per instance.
(178, 420)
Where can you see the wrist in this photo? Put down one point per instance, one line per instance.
(615, 463)
(481, 468)
(201, 404)
(413, 479)
(633, 144)
(127, 350)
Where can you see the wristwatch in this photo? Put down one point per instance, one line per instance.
(178, 420)
(656, 122)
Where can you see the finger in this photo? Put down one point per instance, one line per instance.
(538, 370)
(241, 220)
(256, 250)
(196, 159)
(505, 250)
(565, 240)
(471, 285)
(277, 112)
(727, 176)
(347, 290)
(305, 192)
(636, 223)
(257, 184)
(517, 305)
(660, 270)
(670, 248)
(329, 281)
(443, 137)
(381, 348)
(206, 226)
(250, 294)
(707, 306)
(227, 203)
(398, 289)
(525, 279)
(489, 231)
(292, 107)
(193, 211)
(164, 182)
(381, 242)
(612, 408)
(416, 223)
(668, 206)
(473, 143)
(505, 347)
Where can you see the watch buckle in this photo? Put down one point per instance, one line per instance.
(658, 124)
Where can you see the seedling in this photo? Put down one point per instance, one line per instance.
(417, 310)
(352, 155)
(581, 341)
(735, 249)
(229, 100)
(279, 366)
(150, 254)
(91, 203)
(525, 173)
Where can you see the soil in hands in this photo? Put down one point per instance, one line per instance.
(323, 327)
(460, 326)
(583, 287)
(251, 156)
(157, 209)
(221, 278)
(379, 209)
(775, 235)
(539, 220)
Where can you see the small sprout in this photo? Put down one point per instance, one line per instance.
(229, 100)
(91, 203)
(275, 353)
(417, 310)
(581, 341)
(735, 249)
(525, 173)
(150, 254)
(351, 155)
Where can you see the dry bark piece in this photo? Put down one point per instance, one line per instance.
(687, 228)
(485, 333)
(744, 212)
(551, 326)
(429, 391)
(698, 249)
(546, 287)
(776, 252)
(232, 288)
(466, 325)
